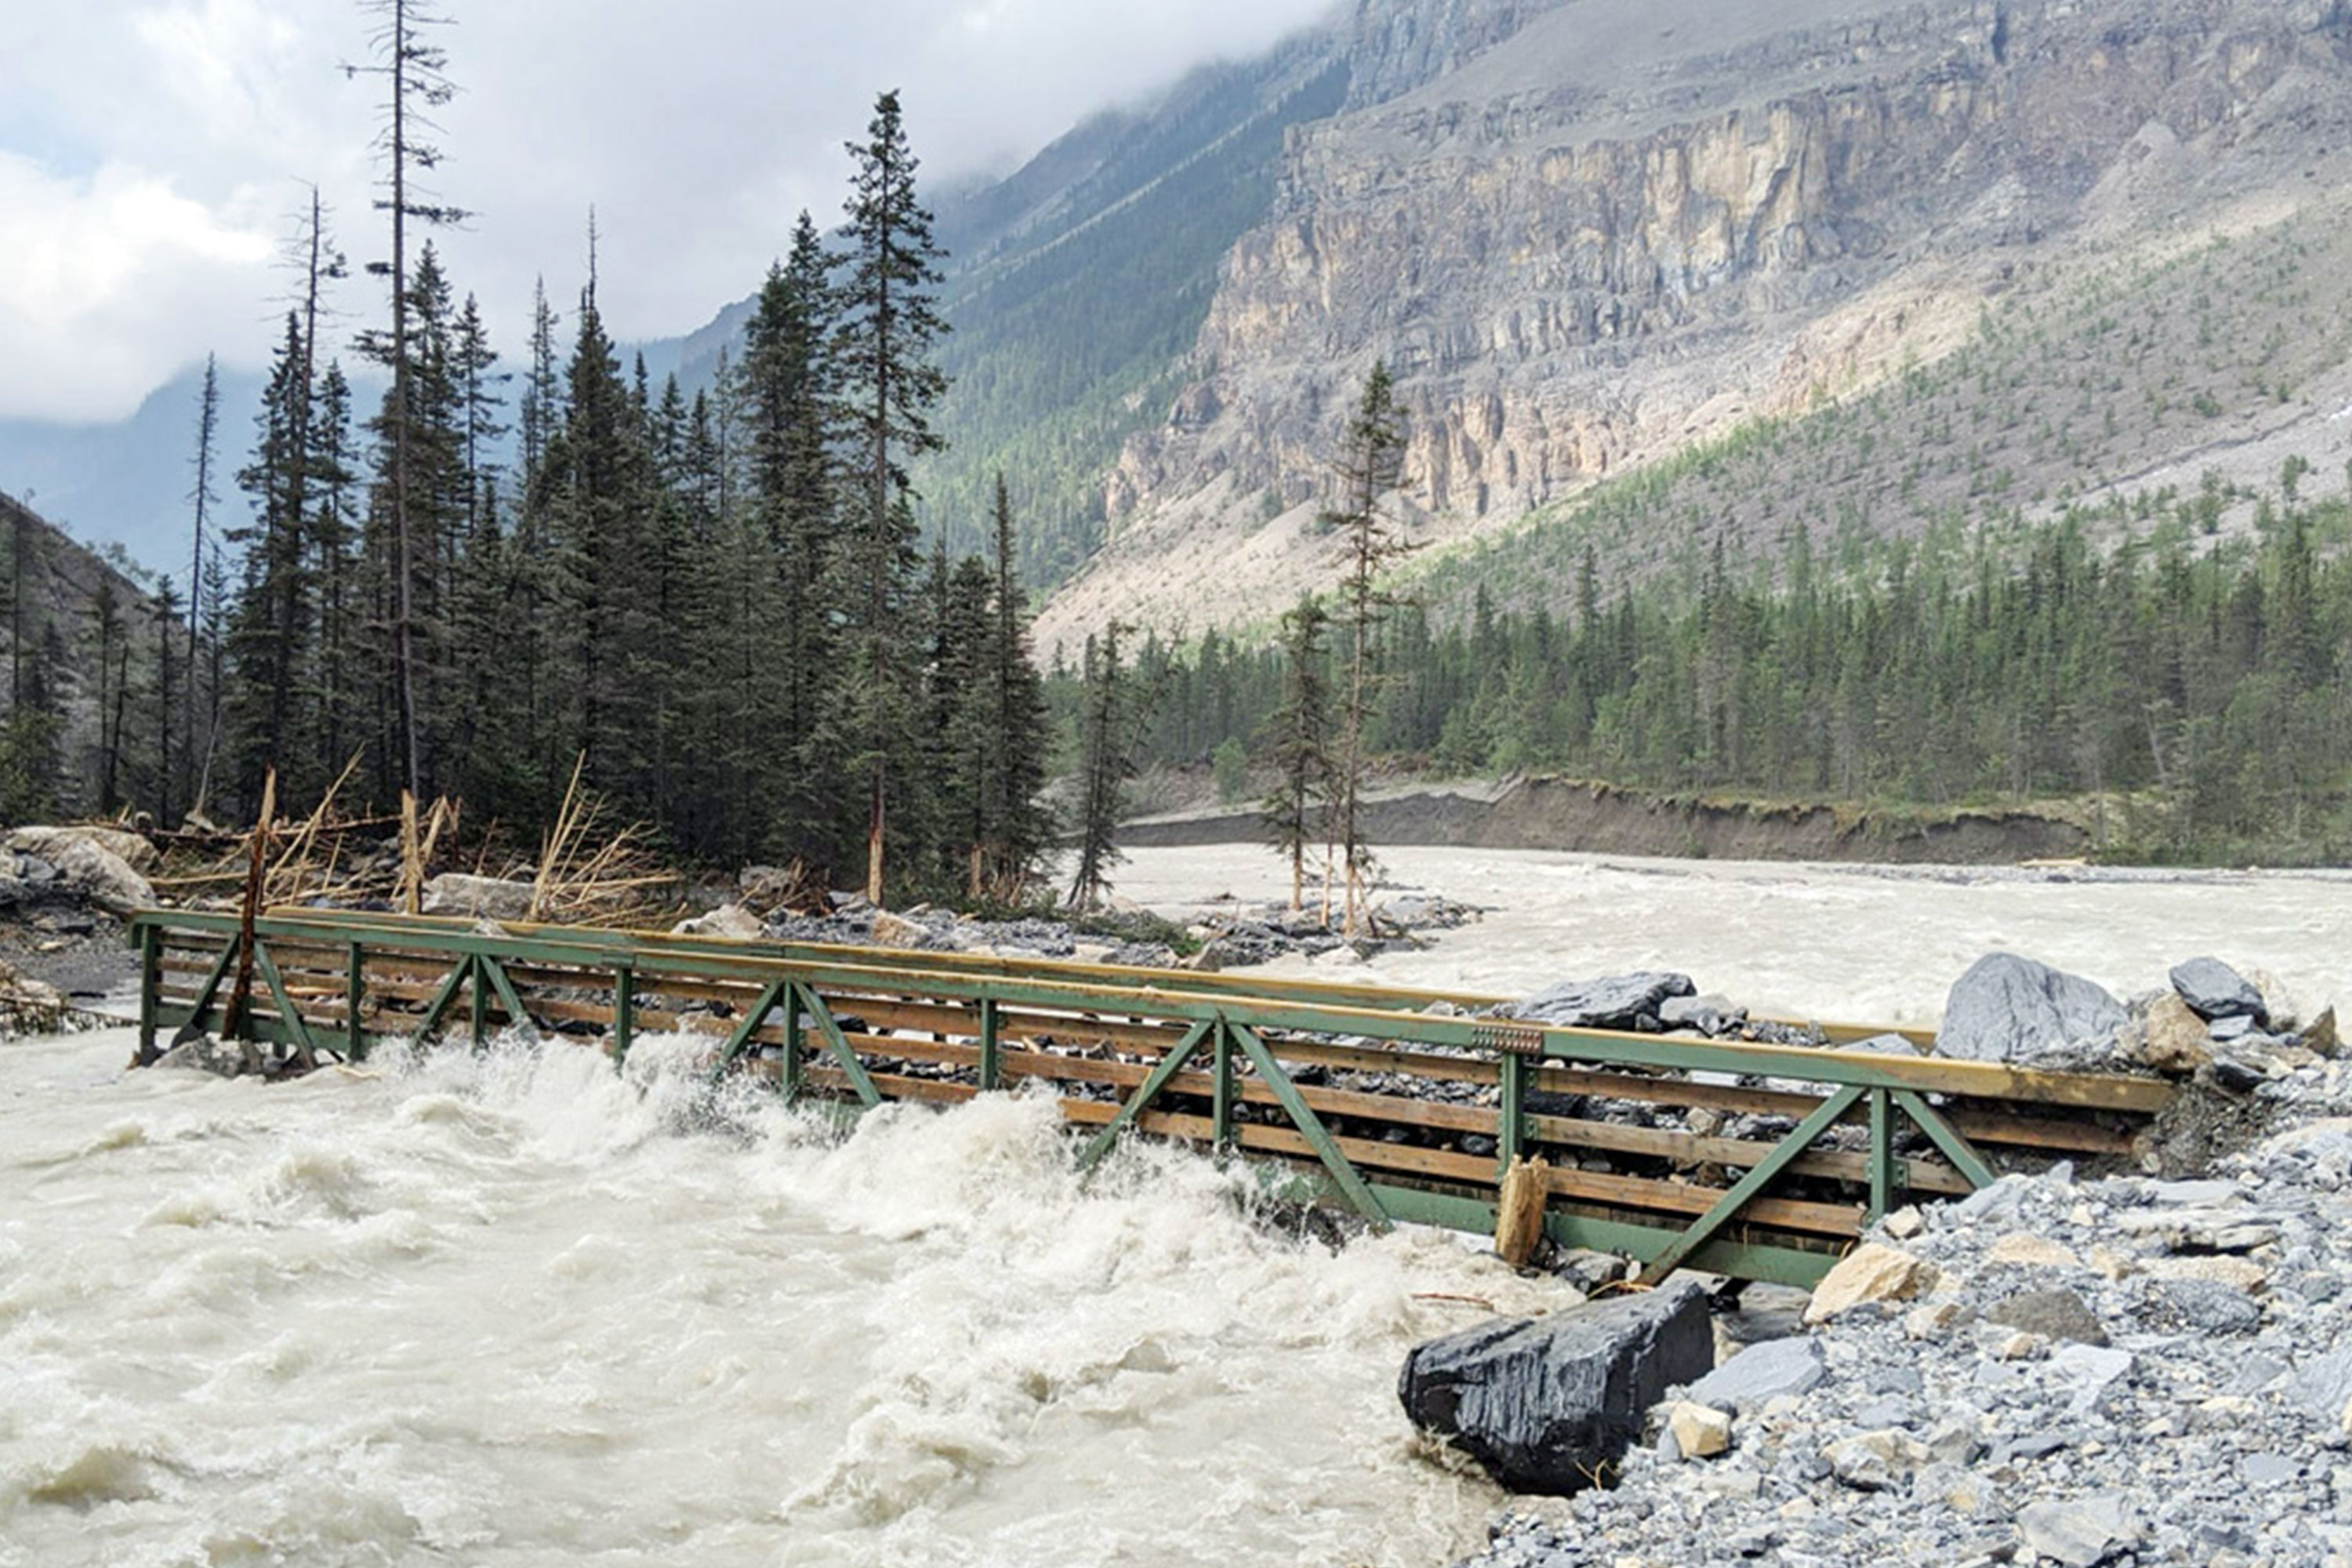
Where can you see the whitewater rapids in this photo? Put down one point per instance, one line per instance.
(1878, 944)
(518, 1310)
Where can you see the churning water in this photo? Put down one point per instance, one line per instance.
(1879, 944)
(517, 1310)
(514, 1309)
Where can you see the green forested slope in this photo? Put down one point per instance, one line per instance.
(1069, 323)
(2174, 388)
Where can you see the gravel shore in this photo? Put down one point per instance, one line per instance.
(2121, 1372)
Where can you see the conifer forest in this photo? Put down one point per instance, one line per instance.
(441, 567)
(715, 611)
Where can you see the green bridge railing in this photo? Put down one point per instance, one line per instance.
(1379, 1098)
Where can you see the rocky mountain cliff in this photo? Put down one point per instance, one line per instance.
(1588, 234)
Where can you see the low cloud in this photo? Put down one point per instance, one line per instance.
(154, 152)
(111, 282)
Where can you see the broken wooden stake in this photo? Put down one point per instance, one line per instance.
(1519, 1218)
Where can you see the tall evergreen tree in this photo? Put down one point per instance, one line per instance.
(887, 325)
(601, 520)
(414, 520)
(786, 388)
(1299, 737)
(111, 646)
(1013, 743)
(268, 629)
(201, 499)
(164, 605)
(1371, 463)
(1113, 702)
(332, 672)
(417, 82)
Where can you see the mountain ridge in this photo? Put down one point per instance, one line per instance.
(1586, 235)
(1561, 306)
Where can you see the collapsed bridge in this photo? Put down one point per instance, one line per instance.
(1401, 1105)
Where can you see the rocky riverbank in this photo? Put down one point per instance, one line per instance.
(1227, 933)
(2121, 1372)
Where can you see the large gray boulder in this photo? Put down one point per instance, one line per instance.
(2214, 990)
(135, 850)
(2011, 1009)
(1616, 1002)
(454, 893)
(1547, 1403)
(78, 861)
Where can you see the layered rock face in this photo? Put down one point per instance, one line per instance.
(1584, 232)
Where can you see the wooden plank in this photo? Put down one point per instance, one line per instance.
(2040, 1132)
(1634, 1192)
(1464, 1168)
(1690, 1148)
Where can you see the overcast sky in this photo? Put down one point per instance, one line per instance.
(153, 152)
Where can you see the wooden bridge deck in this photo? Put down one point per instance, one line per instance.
(1403, 1105)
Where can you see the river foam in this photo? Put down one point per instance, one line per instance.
(515, 1309)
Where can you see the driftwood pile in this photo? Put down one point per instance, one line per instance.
(421, 860)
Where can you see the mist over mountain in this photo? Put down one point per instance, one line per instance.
(128, 484)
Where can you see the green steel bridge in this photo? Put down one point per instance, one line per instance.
(1403, 1106)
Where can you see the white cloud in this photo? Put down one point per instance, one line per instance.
(111, 283)
(696, 129)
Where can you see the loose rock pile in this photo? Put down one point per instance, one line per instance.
(2122, 1371)
(2212, 1023)
(62, 893)
(858, 923)
(49, 868)
(1234, 939)
(1247, 935)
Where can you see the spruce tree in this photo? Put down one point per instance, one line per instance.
(889, 323)
(786, 390)
(164, 605)
(110, 641)
(537, 629)
(1015, 830)
(333, 673)
(601, 526)
(415, 518)
(1112, 705)
(416, 74)
(961, 730)
(267, 628)
(1299, 740)
(742, 671)
(1371, 463)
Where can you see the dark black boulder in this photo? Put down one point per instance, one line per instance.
(1547, 1403)
(2213, 990)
